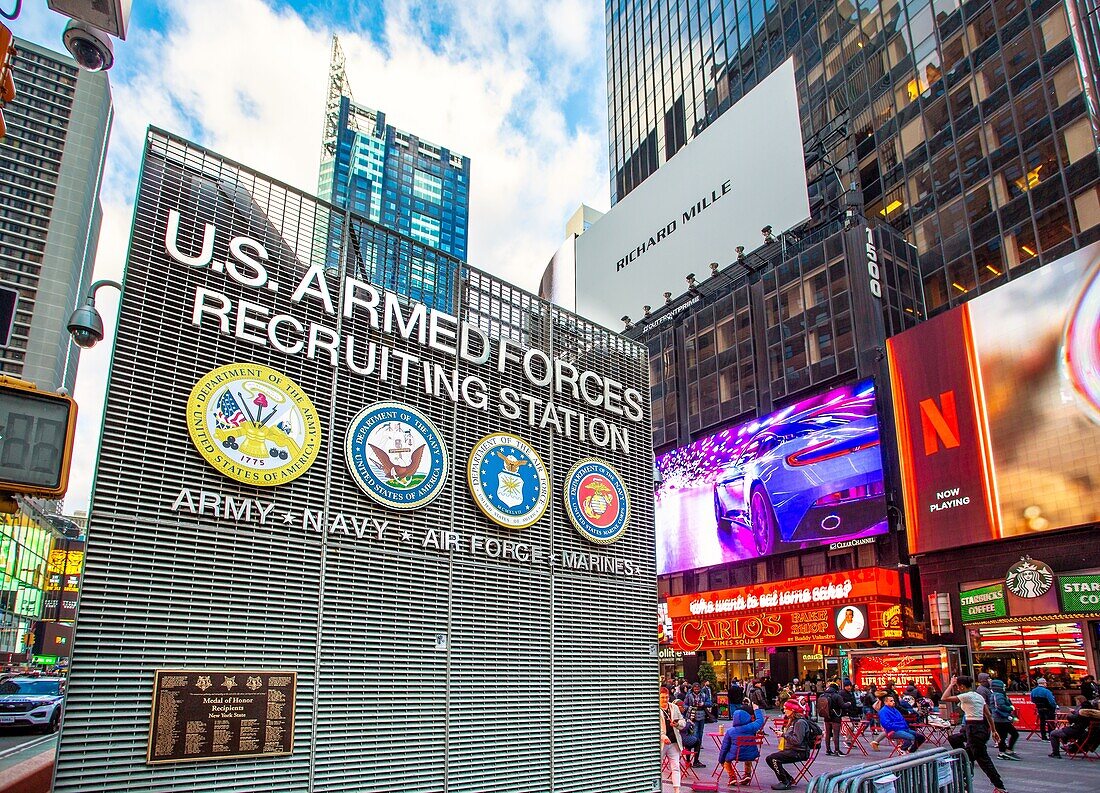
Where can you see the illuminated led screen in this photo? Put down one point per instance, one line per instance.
(805, 475)
(999, 430)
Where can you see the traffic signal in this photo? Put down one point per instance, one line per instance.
(36, 440)
(7, 81)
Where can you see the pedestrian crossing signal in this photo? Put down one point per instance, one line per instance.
(36, 440)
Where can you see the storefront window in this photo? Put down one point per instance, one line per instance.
(1054, 650)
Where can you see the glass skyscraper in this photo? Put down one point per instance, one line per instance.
(391, 176)
(970, 127)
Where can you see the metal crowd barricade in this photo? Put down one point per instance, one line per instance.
(939, 770)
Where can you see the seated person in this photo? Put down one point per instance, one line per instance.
(795, 745)
(1079, 722)
(905, 706)
(895, 726)
(731, 753)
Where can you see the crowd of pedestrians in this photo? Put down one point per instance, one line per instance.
(987, 715)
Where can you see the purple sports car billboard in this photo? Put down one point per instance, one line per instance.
(809, 474)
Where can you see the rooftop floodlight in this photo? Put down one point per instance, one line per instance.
(690, 278)
(647, 309)
(668, 298)
(769, 238)
(627, 323)
(714, 269)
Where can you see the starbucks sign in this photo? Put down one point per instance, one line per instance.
(1079, 593)
(1029, 578)
(983, 603)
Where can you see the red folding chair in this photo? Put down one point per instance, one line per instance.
(854, 736)
(805, 765)
(687, 757)
(1088, 746)
(757, 741)
(740, 742)
(765, 729)
(898, 746)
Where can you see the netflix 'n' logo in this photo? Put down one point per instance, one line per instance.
(939, 423)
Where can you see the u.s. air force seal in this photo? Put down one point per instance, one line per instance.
(596, 501)
(253, 424)
(508, 480)
(396, 455)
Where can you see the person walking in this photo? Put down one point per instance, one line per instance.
(732, 752)
(978, 729)
(795, 744)
(830, 707)
(696, 704)
(1045, 704)
(984, 689)
(1003, 715)
(672, 721)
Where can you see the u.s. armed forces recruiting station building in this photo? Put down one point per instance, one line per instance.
(353, 536)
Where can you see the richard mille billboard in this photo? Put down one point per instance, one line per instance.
(358, 502)
(744, 172)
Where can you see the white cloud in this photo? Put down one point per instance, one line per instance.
(249, 82)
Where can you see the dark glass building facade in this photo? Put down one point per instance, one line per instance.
(790, 321)
(970, 128)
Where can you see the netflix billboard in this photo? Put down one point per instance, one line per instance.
(853, 606)
(999, 430)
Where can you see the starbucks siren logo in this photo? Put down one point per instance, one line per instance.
(253, 424)
(1029, 578)
(396, 455)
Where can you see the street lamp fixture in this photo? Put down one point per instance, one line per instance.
(85, 324)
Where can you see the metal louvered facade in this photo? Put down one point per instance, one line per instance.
(546, 678)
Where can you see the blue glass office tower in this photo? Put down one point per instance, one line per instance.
(968, 126)
(397, 179)
(391, 176)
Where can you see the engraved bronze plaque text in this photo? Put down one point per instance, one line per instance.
(206, 714)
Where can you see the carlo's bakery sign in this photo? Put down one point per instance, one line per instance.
(257, 426)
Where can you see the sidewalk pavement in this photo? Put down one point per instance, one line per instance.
(1033, 773)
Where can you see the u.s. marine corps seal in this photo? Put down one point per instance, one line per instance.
(596, 501)
(253, 424)
(508, 480)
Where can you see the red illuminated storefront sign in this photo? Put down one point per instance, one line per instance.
(857, 605)
(924, 667)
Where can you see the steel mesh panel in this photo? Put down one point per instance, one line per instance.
(537, 654)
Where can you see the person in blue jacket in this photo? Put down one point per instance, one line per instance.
(895, 726)
(1045, 704)
(731, 753)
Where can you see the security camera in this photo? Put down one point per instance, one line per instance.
(89, 46)
(86, 327)
(85, 338)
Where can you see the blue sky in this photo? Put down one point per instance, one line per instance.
(517, 85)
